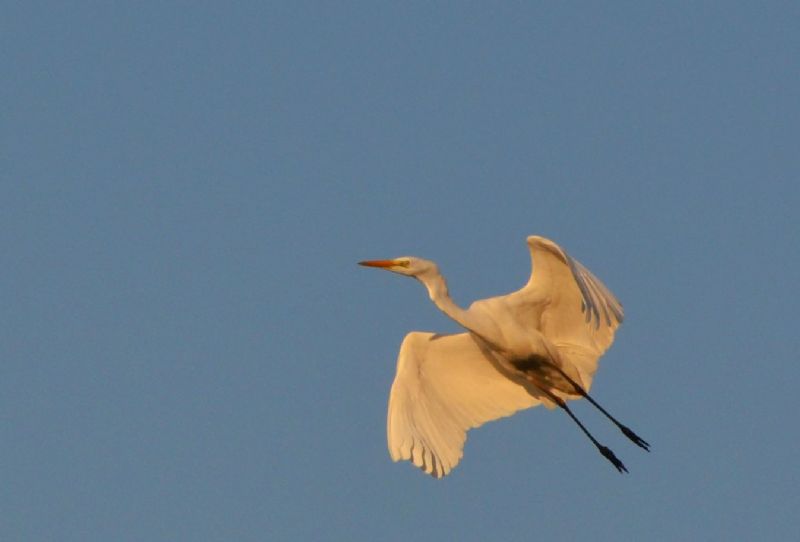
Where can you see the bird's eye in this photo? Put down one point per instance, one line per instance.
(405, 263)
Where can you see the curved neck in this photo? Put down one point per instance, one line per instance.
(437, 291)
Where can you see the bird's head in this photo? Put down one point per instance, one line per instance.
(405, 265)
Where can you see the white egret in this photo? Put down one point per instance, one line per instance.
(538, 345)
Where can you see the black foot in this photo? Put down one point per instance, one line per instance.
(639, 441)
(608, 454)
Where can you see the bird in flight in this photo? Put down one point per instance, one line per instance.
(538, 345)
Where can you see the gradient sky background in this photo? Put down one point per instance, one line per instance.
(189, 351)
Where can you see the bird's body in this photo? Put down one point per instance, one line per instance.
(538, 345)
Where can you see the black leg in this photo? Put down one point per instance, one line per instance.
(636, 439)
(607, 453)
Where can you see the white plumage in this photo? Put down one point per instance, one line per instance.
(537, 345)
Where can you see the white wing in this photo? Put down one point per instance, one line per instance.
(445, 385)
(579, 315)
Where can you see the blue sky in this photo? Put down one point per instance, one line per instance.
(190, 352)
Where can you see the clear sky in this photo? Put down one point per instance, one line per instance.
(189, 351)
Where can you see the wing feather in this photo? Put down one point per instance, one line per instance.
(445, 385)
(579, 313)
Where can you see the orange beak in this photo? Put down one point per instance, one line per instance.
(378, 263)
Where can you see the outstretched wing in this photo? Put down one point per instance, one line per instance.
(445, 385)
(579, 315)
